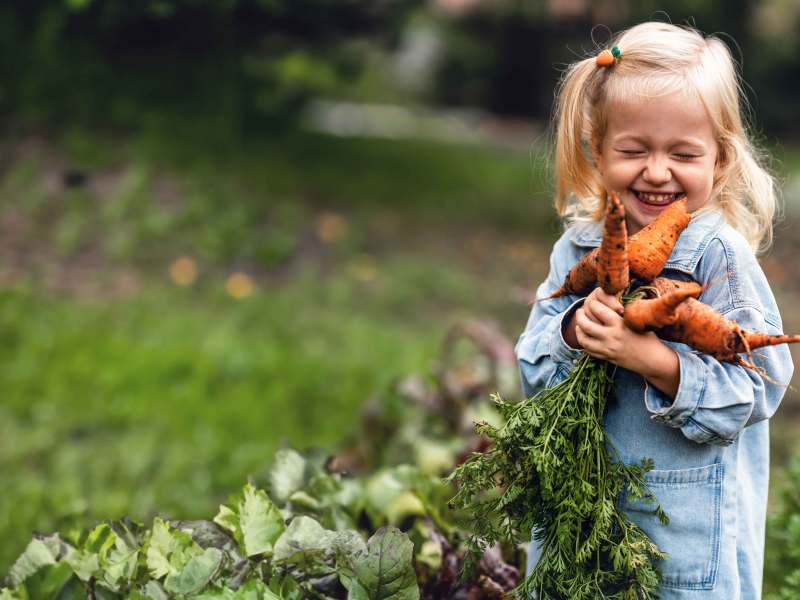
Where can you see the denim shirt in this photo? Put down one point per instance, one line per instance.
(710, 445)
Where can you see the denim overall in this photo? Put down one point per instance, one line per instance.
(710, 444)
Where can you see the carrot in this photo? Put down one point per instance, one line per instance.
(645, 315)
(581, 278)
(665, 285)
(650, 248)
(703, 328)
(677, 315)
(648, 252)
(612, 259)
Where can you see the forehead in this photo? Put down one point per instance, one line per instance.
(670, 116)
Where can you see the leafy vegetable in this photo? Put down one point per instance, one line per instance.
(196, 573)
(302, 539)
(382, 570)
(41, 551)
(168, 550)
(256, 522)
(261, 559)
(287, 474)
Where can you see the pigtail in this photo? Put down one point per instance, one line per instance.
(761, 189)
(574, 172)
(748, 194)
(746, 190)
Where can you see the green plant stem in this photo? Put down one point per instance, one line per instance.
(553, 460)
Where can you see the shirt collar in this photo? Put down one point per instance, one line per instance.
(688, 249)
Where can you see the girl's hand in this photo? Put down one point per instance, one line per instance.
(601, 331)
(590, 313)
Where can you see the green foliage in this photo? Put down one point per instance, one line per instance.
(199, 559)
(548, 472)
(231, 66)
(289, 550)
(382, 570)
(40, 552)
(227, 70)
(303, 538)
(782, 560)
(96, 379)
(151, 200)
(255, 522)
(163, 401)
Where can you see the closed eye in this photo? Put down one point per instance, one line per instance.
(632, 152)
(683, 156)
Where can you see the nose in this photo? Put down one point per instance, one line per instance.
(656, 170)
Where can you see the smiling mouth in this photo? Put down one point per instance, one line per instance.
(657, 199)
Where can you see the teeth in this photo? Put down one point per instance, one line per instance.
(658, 198)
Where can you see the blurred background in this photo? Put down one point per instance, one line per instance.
(225, 225)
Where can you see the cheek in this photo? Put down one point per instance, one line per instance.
(699, 188)
(616, 174)
(630, 205)
(703, 180)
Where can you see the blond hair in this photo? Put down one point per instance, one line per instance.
(658, 58)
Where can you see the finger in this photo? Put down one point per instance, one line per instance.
(582, 338)
(580, 315)
(590, 308)
(586, 309)
(610, 300)
(591, 345)
(601, 313)
(589, 327)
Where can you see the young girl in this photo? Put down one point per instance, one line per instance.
(659, 122)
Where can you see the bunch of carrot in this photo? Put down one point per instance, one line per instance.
(674, 313)
(644, 254)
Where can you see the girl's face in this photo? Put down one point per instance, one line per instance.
(655, 151)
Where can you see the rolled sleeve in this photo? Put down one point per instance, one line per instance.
(543, 353)
(717, 400)
(560, 350)
(692, 387)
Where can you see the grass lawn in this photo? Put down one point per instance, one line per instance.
(168, 401)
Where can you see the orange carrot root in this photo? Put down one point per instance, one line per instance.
(754, 339)
(612, 260)
(648, 252)
(647, 315)
(581, 278)
(649, 249)
(665, 285)
(703, 328)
